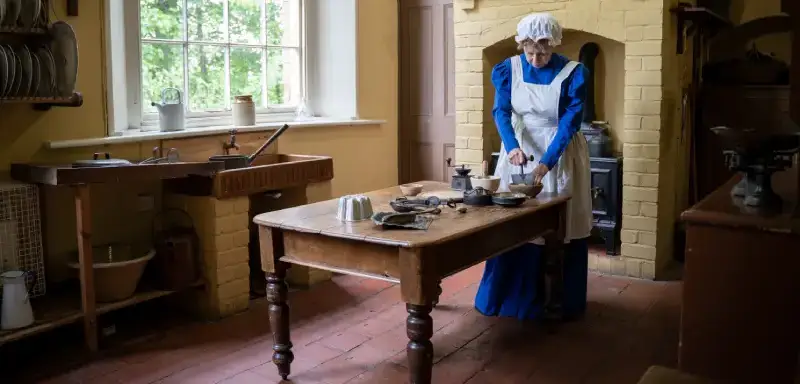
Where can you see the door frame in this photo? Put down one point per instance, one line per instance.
(403, 147)
(403, 138)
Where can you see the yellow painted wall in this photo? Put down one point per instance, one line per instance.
(365, 157)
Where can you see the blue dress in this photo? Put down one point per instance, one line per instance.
(509, 284)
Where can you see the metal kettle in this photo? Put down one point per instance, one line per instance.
(600, 142)
(170, 114)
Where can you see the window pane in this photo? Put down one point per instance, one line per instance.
(283, 76)
(162, 67)
(205, 20)
(246, 78)
(206, 78)
(161, 19)
(283, 22)
(245, 21)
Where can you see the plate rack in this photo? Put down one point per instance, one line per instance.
(37, 35)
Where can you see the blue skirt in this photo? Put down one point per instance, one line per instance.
(510, 283)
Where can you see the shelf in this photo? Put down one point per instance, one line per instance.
(63, 308)
(45, 103)
(23, 31)
(693, 19)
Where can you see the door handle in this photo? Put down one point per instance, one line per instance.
(596, 192)
(449, 161)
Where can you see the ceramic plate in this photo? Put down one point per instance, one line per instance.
(51, 67)
(18, 76)
(27, 70)
(2, 10)
(3, 71)
(11, 63)
(29, 13)
(65, 54)
(46, 74)
(35, 76)
(13, 8)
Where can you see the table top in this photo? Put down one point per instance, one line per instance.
(321, 218)
(721, 209)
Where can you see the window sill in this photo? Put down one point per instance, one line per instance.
(138, 137)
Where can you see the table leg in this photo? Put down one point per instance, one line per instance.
(83, 216)
(554, 276)
(438, 293)
(277, 296)
(419, 328)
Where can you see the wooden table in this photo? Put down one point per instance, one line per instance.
(740, 316)
(311, 235)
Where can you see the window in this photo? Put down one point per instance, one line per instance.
(282, 52)
(213, 50)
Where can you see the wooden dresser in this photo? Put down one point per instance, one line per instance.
(741, 293)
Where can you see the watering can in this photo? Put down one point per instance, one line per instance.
(170, 114)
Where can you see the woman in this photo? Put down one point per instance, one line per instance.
(538, 111)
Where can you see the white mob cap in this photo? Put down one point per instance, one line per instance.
(538, 26)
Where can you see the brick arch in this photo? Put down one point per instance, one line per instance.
(636, 28)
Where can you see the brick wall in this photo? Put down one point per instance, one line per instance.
(639, 25)
(222, 226)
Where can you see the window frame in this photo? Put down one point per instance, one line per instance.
(139, 121)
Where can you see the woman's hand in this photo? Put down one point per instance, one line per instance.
(517, 157)
(539, 172)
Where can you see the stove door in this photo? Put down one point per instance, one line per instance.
(606, 189)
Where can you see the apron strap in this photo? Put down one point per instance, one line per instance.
(565, 72)
(516, 70)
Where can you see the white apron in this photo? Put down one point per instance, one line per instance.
(535, 122)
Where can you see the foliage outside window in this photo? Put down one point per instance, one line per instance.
(213, 50)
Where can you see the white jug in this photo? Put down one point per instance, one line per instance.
(170, 115)
(16, 312)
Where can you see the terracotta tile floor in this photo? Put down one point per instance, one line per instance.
(351, 330)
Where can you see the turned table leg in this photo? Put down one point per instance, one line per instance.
(419, 328)
(277, 296)
(438, 293)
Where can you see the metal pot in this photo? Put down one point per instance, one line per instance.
(599, 140)
(244, 161)
(478, 197)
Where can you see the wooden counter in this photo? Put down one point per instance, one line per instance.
(741, 291)
(79, 179)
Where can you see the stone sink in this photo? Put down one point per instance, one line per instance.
(269, 172)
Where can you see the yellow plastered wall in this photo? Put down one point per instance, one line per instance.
(115, 217)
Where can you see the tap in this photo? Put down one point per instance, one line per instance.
(226, 147)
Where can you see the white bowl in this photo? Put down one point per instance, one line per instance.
(354, 208)
(489, 183)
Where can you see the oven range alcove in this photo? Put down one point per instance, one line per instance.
(606, 166)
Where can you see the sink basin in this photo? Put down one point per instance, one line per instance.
(269, 172)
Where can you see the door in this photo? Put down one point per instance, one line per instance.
(426, 131)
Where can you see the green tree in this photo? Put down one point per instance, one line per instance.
(163, 62)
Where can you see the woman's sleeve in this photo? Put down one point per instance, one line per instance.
(501, 79)
(570, 121)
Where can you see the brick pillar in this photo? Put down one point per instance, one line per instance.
(222, 226)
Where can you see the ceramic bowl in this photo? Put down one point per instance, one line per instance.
(489, 183)
(411, 189)
(530, 190)
(354, 208)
